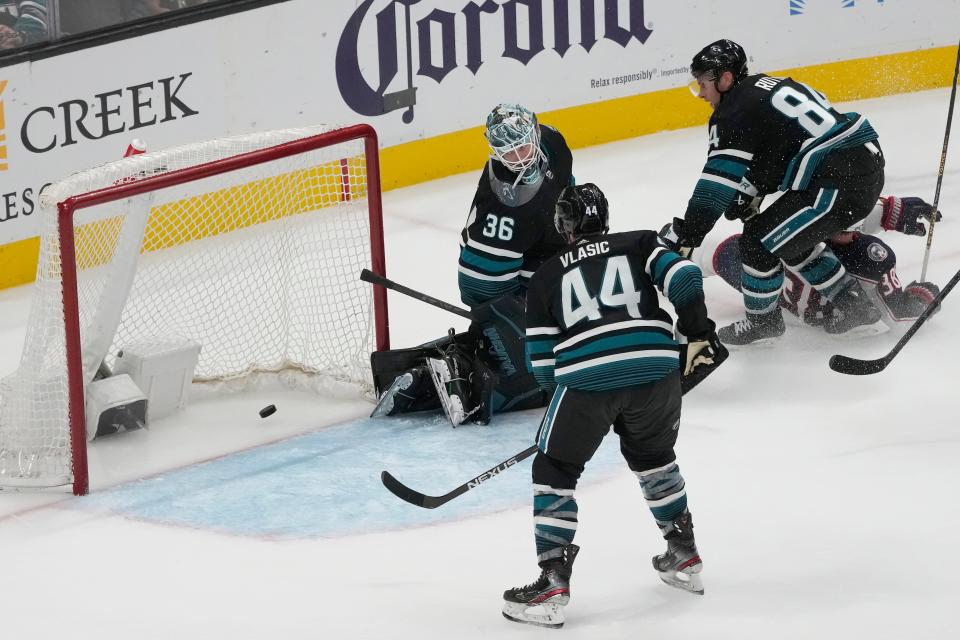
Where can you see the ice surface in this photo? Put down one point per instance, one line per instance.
(825, 505)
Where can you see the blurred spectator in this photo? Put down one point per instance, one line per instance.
(29, 27)
(8, 15)
(183, 4)
(79, 16)
(24, 22)
(147, 8)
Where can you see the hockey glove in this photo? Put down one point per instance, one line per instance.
(699, 358)
(906, 215)
(743, 207)
(701, 352)
(672, 236)
(923, 294)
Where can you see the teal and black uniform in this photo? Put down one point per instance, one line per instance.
(594, 321)
(596, 329)
(510, 232)
(776, 135)
(508, 235)
(767, 135)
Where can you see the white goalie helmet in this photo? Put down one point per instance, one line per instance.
(513, 134)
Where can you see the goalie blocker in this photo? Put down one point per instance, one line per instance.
(470, 375)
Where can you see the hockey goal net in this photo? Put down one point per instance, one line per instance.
(250, 246)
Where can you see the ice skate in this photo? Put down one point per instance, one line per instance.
(755, 329)
(451, 376)
(854, 314)
(680, 566)
(400, 394)
(541, 603)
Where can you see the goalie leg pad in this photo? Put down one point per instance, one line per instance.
(406, 389)
(451, 375)
(444, 373)
(501, 341)
(389, 366)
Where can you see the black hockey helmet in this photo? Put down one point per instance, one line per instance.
(722, 55)
(581, 210)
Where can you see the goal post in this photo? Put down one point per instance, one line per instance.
(250, 246)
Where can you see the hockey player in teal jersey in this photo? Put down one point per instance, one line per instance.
(767, 135)
(595, 329)
(509, 232)
(864, 255)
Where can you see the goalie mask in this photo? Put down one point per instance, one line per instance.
(513, 134)
(580, 211)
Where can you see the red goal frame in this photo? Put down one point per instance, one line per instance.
(68, 208)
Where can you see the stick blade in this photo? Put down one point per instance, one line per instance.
(405, 493)
(856, 367)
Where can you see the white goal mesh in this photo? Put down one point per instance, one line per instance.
(258, 264)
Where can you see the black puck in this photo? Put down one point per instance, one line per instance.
(268, 410)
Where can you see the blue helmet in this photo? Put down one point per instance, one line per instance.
(513, 134)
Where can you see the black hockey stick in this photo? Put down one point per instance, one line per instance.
(369, 276)
(418, 499)
(856, 367)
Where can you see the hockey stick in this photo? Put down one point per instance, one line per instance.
(369, 276)
(856, 367)
(943, 162)
(418, 499)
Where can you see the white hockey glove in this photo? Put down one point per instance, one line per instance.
(700, 352)
(699, 357)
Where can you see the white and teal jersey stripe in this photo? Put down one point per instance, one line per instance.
(487, 272)
(593, 317)
(854, 132)
(767, 134)
(723, 180)
(508, 234)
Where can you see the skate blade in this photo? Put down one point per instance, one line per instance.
(385, 404)
(547, 614)
(865, 330)
(762, 343)
(685, 581)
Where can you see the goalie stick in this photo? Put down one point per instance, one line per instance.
(369, 276)
(418, 499)
(857, 367)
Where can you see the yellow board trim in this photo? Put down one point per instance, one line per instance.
(638, 115)
(3, 125)
(19, 262)
(229, 209)
(254, 203)
(597, 123)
